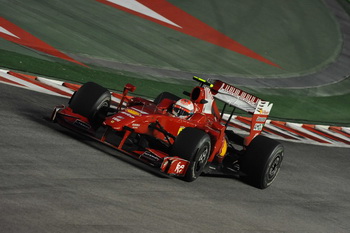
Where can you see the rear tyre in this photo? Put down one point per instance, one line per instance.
(261, 162)
(193, 145)
(91, 101)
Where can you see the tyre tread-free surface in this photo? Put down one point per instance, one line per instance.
(89, 99)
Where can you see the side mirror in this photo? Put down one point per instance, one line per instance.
(130, 87)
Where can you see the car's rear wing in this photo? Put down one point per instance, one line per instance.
(245, 101)
(235, 97)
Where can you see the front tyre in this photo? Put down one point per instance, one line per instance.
(261, 162)
(193, 145)
(91, 101)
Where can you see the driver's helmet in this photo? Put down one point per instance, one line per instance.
(183, 108)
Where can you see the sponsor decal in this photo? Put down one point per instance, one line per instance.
(264, 112)
(144, 113)
(133, 112)
(264, 108)
(15, 34)
(261, 119)
(179, 168)
(238, 93)
(180, 129)
(128, 114)
(117, 119)
(258, 127)
(166, 14)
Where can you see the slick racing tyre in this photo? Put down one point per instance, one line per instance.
(193, 145)
(91, 101)
(261, 162)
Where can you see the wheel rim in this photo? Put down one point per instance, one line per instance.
(202, 159)
(274, 168)
(104, 104)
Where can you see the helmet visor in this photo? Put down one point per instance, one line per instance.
(179, 111)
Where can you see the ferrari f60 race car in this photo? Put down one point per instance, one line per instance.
(186, 147)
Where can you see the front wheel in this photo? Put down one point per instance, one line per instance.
(193, 145)
(261, 162)
(91, 101)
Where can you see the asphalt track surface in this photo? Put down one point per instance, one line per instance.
(333, 73)
(53, 180)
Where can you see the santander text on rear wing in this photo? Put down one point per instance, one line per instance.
(238, 98)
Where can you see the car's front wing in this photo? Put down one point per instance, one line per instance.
(171, 165)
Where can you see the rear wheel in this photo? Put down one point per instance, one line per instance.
(193, 145)
(91, 101)
(261, 162)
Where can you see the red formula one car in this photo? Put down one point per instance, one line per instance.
(180, 137)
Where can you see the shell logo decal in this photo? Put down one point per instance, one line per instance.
(180, 129)
(133, 112)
